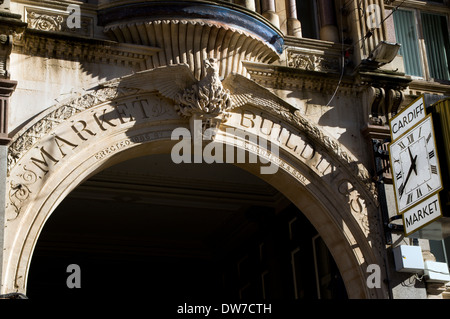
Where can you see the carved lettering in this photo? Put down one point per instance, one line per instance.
(266, 126)
(247, 119)
(113, 148)
(103, 121)
(141, 105)
(308, 152)
(83, 129)
(44, 155)
(120, 109)
(60, 142)
(293, 142)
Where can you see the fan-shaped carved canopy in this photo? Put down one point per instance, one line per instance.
(192, 31)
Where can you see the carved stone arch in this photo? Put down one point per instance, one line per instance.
(75, 139)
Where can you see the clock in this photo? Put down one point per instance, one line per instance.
(414, 165)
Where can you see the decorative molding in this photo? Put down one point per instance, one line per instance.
(56, 21)
(25, 139)
(104, 52)
(193, 41)
(44, 22)
(419, 87)
(242, 91)
(7, 88)
(313, 62)
(284, 77)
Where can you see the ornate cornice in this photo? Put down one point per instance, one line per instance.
(52, 45)
(294, 77)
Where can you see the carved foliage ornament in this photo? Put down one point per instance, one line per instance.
(45, 22)
(207, 97)
(313, 62)
(57, 21)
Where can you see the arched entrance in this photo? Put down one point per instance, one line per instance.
(76, 139)
(166, 231)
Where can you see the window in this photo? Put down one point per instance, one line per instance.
(307, 14)
(425, 42)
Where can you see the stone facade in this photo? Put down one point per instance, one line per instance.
(88, 85)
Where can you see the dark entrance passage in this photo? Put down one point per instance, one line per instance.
(147, 228)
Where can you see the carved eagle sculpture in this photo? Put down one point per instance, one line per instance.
(208, 99)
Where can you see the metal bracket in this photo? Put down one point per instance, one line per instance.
(395, 227)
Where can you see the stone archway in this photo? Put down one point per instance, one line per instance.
(112, 123)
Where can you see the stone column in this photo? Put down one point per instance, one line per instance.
(328, 25)
(249, 4)
(294, 26)
(10, 23)
(7, 87)
(269, 12)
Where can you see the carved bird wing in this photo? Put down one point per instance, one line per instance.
(245, 91)
(168, 80)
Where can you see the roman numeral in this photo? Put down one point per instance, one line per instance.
(410, 138)
(420, 131)
(431, 154)
(434, 169)
(398, 175)
(402, 145)
(419, 192)
(429, 137)
(429, 188)
(409, 199)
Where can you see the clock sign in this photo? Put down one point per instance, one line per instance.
(415, 166)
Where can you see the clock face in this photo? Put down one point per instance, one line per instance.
(415, 166)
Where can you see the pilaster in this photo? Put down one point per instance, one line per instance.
(10, 25)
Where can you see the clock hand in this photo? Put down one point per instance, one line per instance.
(413, 161)
(401, 189)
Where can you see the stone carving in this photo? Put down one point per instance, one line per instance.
(20, 192)
(384, 102)
(247, 92)
(312, 62)
(5, 51)
(57, 21)
(45, 22)
(207, 97)
(245, 45)
(31, 135)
